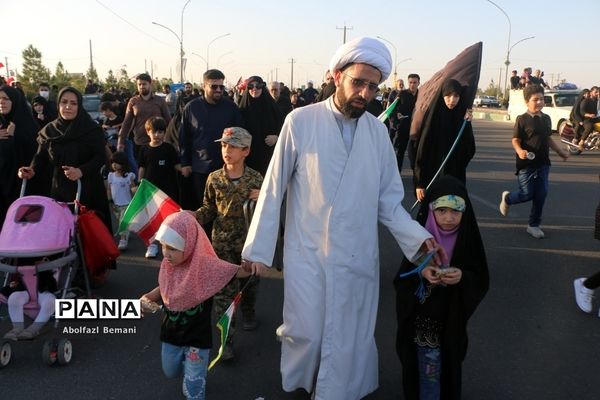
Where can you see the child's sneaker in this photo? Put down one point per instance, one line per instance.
(123, 244)
(535, 231)
(31, 331)
(13, 333)
(504, 206)
(151, 251)
(583, 295)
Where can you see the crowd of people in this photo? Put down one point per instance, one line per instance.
(325, 156)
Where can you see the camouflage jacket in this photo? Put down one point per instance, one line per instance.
(224, 206)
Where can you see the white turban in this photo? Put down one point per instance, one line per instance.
(363, 50)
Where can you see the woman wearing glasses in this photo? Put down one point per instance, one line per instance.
(263, 121)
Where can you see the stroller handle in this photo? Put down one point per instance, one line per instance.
(77, 196)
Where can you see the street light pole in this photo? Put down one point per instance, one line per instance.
(506, 62)
(208, 47)
(221, 56)
(179, 39)
(181, 53)
(395, 59)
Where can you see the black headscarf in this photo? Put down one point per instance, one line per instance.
(16, 151)
(457, 302)
(439, 133)
(262, 118)
(25, 127)
(76, 129)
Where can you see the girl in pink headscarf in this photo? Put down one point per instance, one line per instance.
(190, 274)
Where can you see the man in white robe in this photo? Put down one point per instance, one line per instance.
(339, 170)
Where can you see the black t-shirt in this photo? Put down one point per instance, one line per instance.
(588, 106)
(534, 132)
(191, 327)
(159, 167)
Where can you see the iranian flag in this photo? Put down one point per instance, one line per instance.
(147, 210)
(388, 111)
(224, 323)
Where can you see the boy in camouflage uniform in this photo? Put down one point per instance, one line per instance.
(226, 192)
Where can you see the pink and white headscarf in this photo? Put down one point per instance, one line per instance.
(200, 275)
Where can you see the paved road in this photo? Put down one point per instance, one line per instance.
(528, 340)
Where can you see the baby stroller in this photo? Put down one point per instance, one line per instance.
(40, 234)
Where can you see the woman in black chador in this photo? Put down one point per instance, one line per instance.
(72, 147)
(439, 133)
(263, 120)
(434, 305)
(17, 143)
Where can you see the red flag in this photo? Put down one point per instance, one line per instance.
(1, 65)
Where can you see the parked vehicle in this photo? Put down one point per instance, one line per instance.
(486, 101)
(557, 104)
(91, 104)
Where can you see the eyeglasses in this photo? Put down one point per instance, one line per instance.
(215, 87)
(362, 83)
(255, 86)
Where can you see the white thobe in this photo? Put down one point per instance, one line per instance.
(331, 250)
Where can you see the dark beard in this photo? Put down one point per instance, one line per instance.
(352, 112)
(347, 109)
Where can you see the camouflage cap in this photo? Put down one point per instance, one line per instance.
(236, 136)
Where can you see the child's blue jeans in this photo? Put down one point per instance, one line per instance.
(430, 368)
(192, 362)
(533, 185)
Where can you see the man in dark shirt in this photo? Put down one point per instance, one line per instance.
(203, 122)
(515, 80)
(310, 93)
(589, 112)
(401, 118)
(283, 103)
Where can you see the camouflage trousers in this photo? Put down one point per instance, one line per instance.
(223, 299)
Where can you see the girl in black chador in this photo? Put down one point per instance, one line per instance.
(434, 304)
(439, 133)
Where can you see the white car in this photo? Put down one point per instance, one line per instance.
(557, 104)
(91, 104)
(486, 101)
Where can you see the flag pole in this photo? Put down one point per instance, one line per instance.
(225, 321)
(460, 132)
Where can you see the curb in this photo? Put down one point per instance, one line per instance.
(491, 116)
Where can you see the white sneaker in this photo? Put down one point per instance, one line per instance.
(535, 231)
(123, 244)
(583, 295)
(504, 206)
(151, 251)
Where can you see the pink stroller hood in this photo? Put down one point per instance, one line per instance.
(36, 226)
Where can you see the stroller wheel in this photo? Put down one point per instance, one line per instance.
(49, 352)
(64, 351)
(5, 354)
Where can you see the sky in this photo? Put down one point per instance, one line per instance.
(262, 37)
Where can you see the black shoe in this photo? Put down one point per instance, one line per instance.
(250, 323)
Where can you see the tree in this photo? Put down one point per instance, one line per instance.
(92, 74)
(111, 80)
(61, 77)
(124, 81)
(33, 70)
